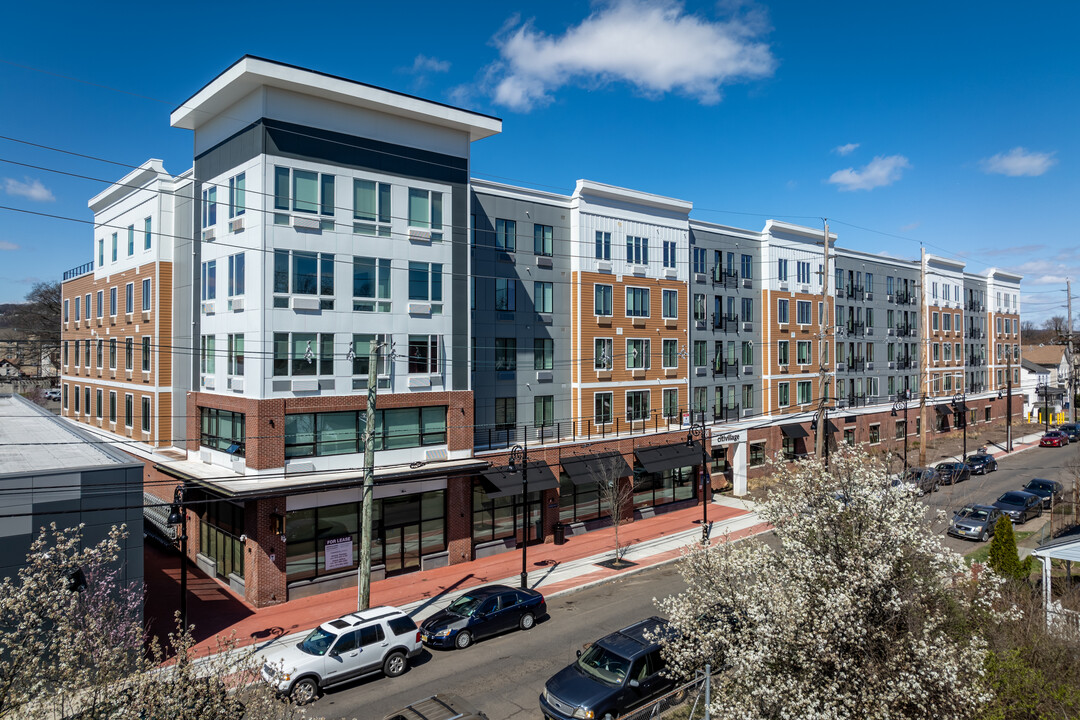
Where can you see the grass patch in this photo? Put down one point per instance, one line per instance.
(982, 554)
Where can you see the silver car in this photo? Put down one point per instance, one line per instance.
(364, 643)
(920, 480)
(975, 522)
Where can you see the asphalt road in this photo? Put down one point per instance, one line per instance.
(504, 676)
(1013, 473)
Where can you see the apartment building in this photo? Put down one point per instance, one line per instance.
(329, 239)
(124, 346)
(1002, 310)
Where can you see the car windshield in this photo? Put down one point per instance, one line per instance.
(970, 513)
(1012, 498)
(1037, 485)
(945, 467)
(464, 605)
(318, 642)
(603, 664)
(976, 458)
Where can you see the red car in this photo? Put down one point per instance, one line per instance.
(1054, 438)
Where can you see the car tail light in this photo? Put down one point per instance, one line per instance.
(417, 636)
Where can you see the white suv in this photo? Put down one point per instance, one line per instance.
(377, 640)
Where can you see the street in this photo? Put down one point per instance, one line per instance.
(504, 675)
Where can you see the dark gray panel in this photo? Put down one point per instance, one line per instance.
(229, 153)
(459, 287)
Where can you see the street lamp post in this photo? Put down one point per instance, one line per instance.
(1046, 407)
(962, 413)
(519, 453)
(901, 405)
(698, 430)
(178, 518)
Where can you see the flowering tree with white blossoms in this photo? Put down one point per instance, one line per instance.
(860, 612)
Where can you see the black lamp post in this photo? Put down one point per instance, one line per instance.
(961, 414)
(901, 405)
(698, 430)
(178, 519)
(519, 453)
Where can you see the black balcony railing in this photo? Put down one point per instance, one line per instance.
(80, 270)
(856, 400)
(974, 306)
(722, 368)
(855, 292)
(976, 361)
(855, 365)
(975, 334)
(976, 387)
(727, 278)
(904, 298)
(904, 329)
(726, 413)
(856, 329)
(725, 322)
(905, 363)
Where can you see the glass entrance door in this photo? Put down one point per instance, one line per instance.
(401, 534)
(534, 509)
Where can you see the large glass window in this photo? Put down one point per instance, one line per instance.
(602, 412)
(425, 283)
(220, 528)
(580, 503)
(500, 518)
(637, 250)
(544, 410)
(652, 489)
(303, 354)
(218, 429)
(637, 405)
(638, 354)
(371, 284)
(423, 354)
(637, 302)
(371, 208)
(310, 191)
(505, 354)
(341, 433)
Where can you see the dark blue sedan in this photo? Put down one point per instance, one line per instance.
(981, 463)
(484, 611)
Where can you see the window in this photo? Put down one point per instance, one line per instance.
(236, 354)
(371, 282)
(869, 317)
(803, 352)
(637, 250)
(146, 294)
(209, 280)
(112, 353)
(236, 275)
(803, 270)
(303, 273)
(783, 394)
(112, 302)
(222, 430)
(802, 312)
(747, 352)
(78, 395)
(146, 353)
(129, 410)
(207, 360)
(700, 260)
(66, 310)
(748, 396)
(362, 346)
(87, 306)
(933, 290)
(65, 351)
(542, 240)
(638, 355)
(506, 234)
(542, 296)
(747, 267)
(748, 309)
(78, 309)
(101, 252)
(669, 254)
(98, 410)
(669, 353)
(425, 283)
(671, 303)
(782, 311)
(544, 410)
(237, 199)
(114, 247)
(505, 294)
(100, 353)
(423, 354)
(946, 322)
(112, 407)
(869, 282)
(804, 391)
(543, 353)
(936, 351)
(637, 302)
(603, 245)
(757, 454)
(86, 397)
(637, 405)
(701, 353)
(129, 353)
(849, 437)
(700, 401)
(505, 413)
(782, 356)
(602, 299)
(309, 192)
(303, 354)
(602, 413)
(425, 211)
(671, 403)
(145, 408)
(699, 307)
(875, 434)
(100, 303)
(129, 298)
(506, 354)
(603, 359)
(209, 207)
(956, 322)
(131, 240)
(371, 208)
(781, 269)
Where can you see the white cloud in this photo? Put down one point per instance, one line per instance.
(910, 226)
(423, 63)
(31, 189)
(846, 149)
(1019, 162)
(879, 172)
(5, 245)
(657, 47)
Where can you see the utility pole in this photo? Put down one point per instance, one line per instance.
(924, 342)
(823, 379)
(363, 584)
(1072, 356)
(1008, 403)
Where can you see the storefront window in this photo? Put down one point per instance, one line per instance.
(222, 430)
(338, 433)
(500, 518)
(652, 489)
(220, 528)
(578, 503)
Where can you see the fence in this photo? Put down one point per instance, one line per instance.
(686, 702)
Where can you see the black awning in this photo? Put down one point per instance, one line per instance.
(667, 457)
(831, 426)
(794, 431)
(588, 469)
(961, 407)
(943, 409)
(501, 482)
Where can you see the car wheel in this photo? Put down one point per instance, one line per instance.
(527, 621)
(984, 536)
(935, 488)
(304, 691)
(463, 640)
(395, 664)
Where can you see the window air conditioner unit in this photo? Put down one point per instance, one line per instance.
(208, 234)
(236, 224)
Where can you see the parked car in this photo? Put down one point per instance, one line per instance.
(1072, 430)
(1054, 438)
(952, 472)
(52, 394)
(381, 639)
(981, 463)
(438, 707)
(974, 521)
(617, 673)
(919, 480)
(1019, 506)
(1046, 489)
(484, 611)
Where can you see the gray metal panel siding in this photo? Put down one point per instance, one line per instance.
(231, 152)
(459, 288)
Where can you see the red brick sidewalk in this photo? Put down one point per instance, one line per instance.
(214, 610)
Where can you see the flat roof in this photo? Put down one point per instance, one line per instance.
(251, 72)
(34, 440)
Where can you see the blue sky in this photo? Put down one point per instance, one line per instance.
(951, 124)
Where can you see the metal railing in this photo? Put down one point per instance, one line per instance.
(79, 270)
(722, 367)
(854, 364)
(904, 298)
(727, 278)
(493, 437)
(725, 322)
(726, 413)
(904, 329)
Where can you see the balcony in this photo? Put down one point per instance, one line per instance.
(975, 334)
(974, 306)
(723, 368)
(726, 413)
(976, 361)
(727, 278)
(725, 322)
(856, 293)
(853, 365)
(905, 363)
(856, 329)
(976, 387)
(78, 271)
(904, 298)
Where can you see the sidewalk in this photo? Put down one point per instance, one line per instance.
(553, 569)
